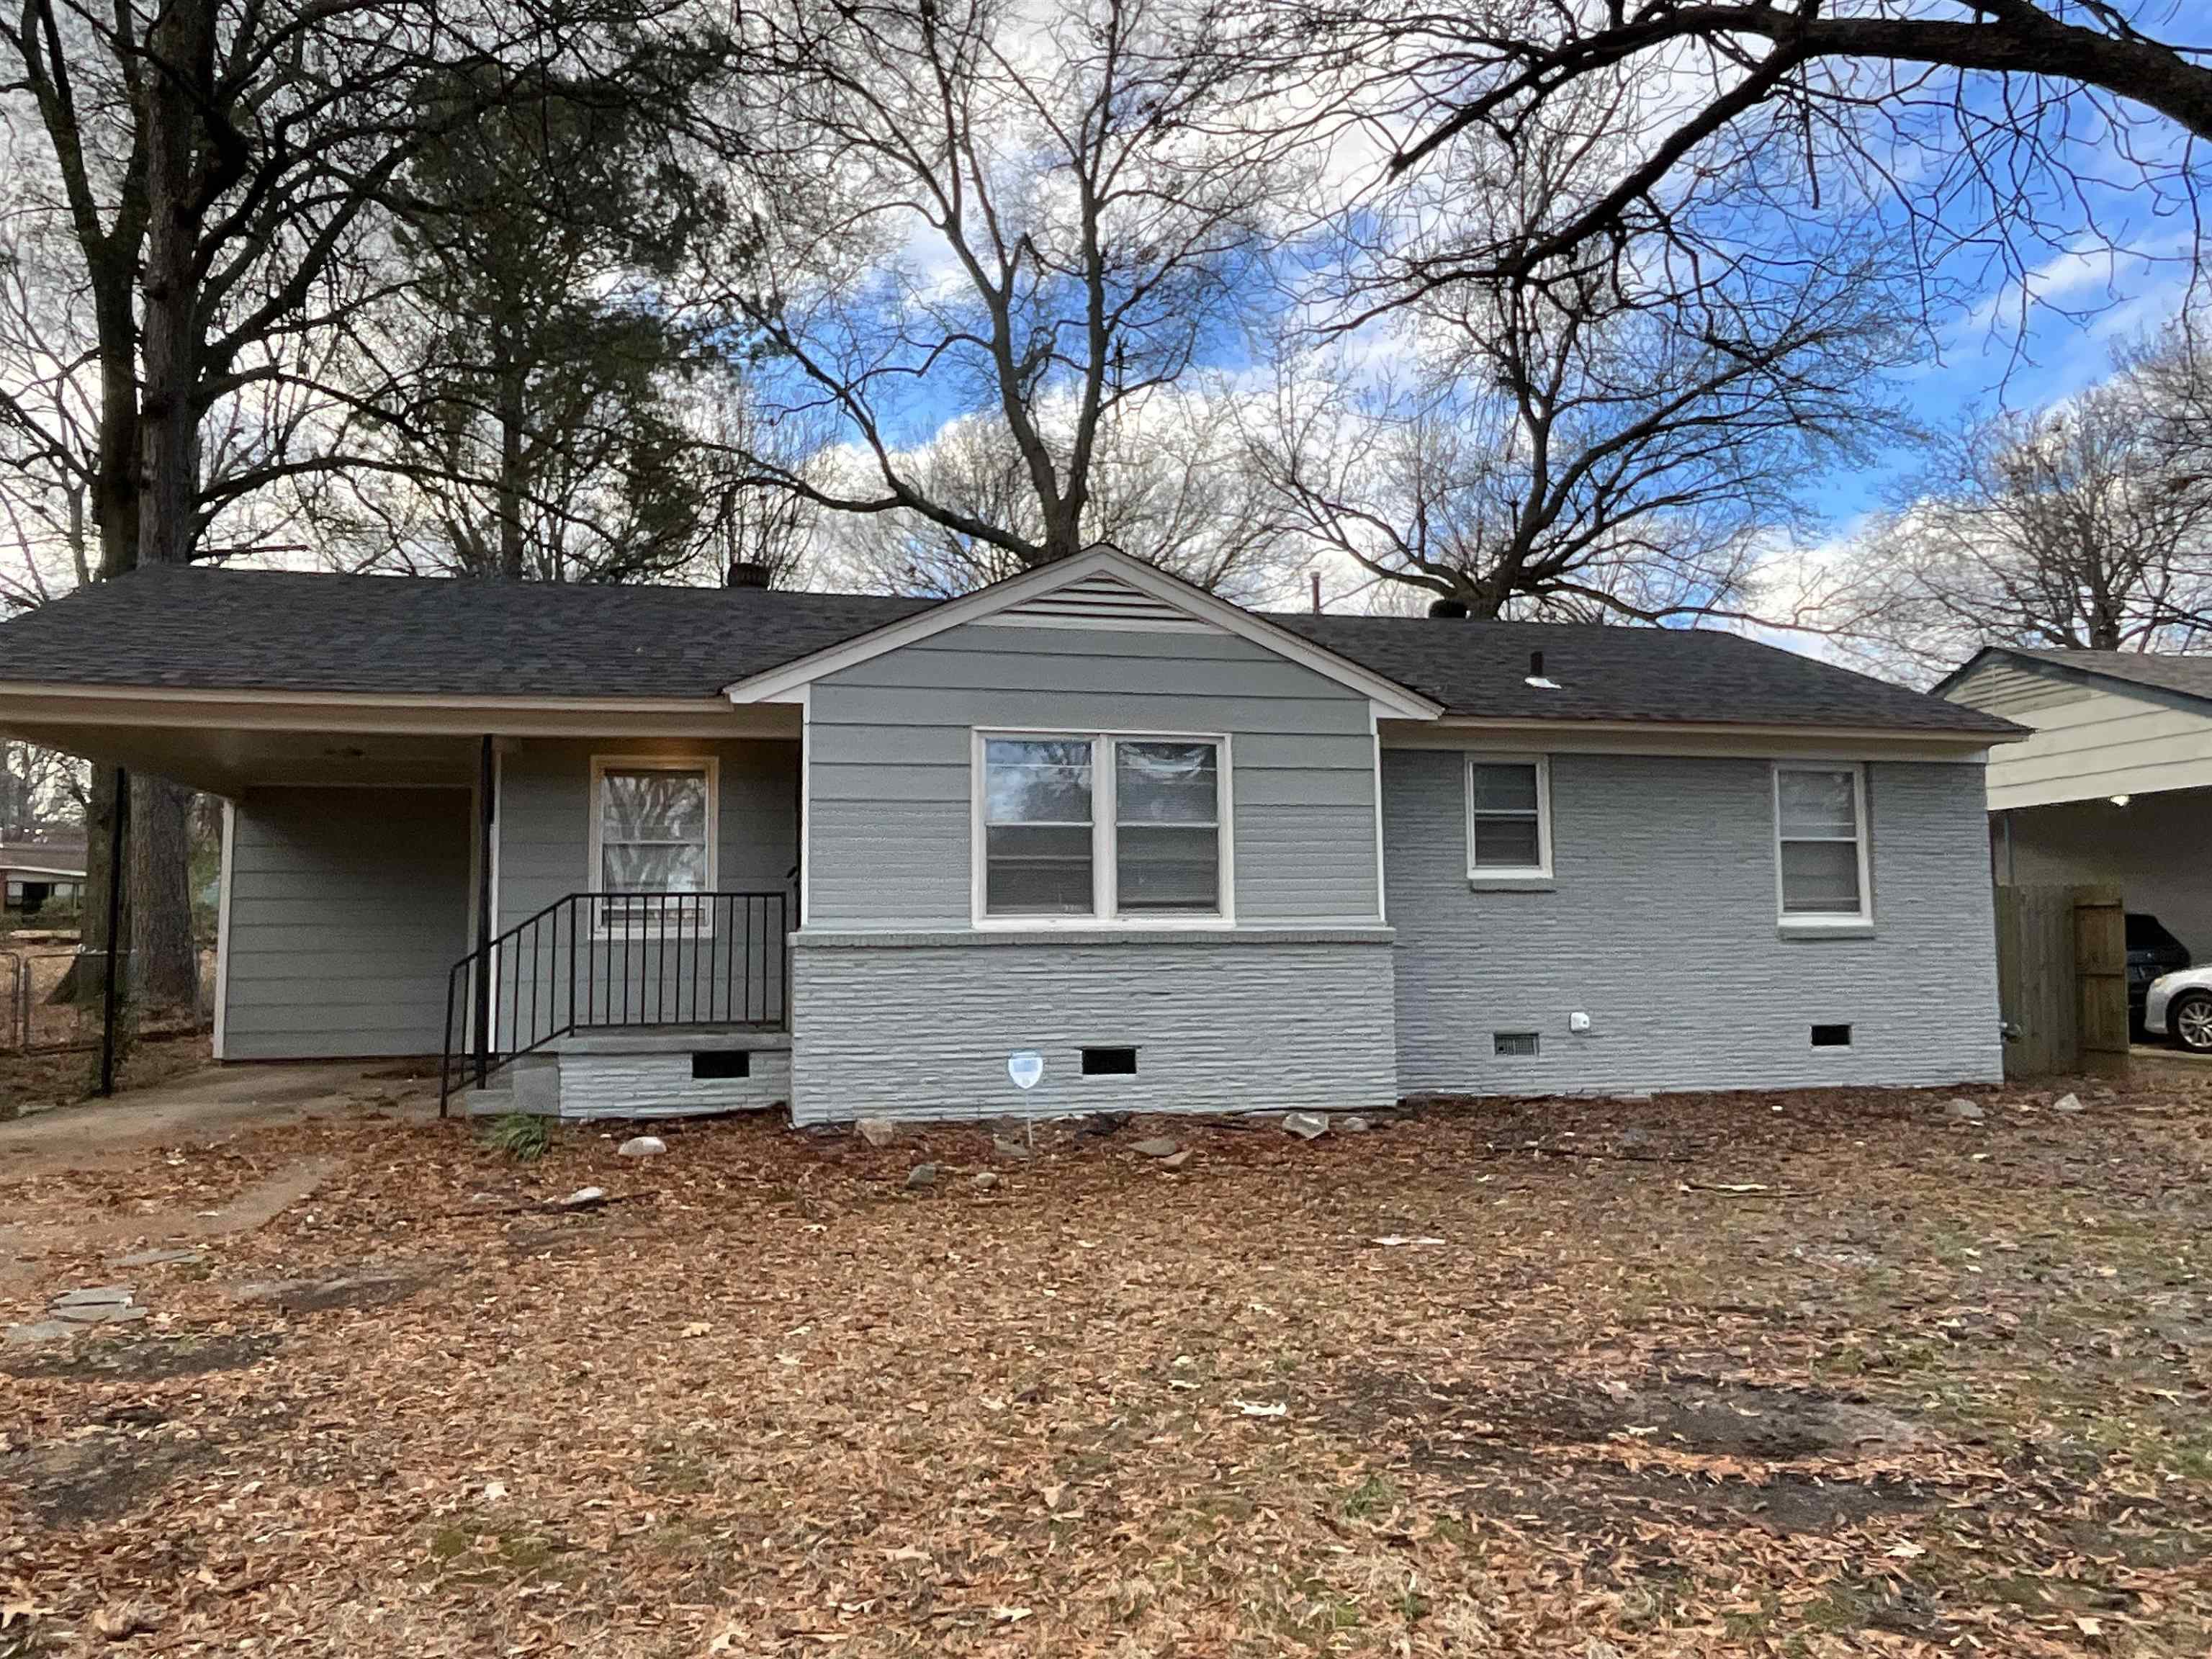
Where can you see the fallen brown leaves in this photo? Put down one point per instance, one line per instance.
(1838, 1378)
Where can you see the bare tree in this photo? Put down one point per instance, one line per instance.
(1171, 483)
(1987, 126)
(2086, 525)
(1033, 228)
(1584, 437)
(220, 169)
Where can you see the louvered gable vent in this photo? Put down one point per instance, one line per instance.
(1100, 600)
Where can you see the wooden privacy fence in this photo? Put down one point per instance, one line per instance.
(2062, 980)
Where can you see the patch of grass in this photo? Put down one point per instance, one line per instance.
(521, 1135)
(1373, 1496)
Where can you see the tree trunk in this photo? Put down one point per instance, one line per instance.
(511, 481)
(82, 983)
(163, 954)
(164, 964)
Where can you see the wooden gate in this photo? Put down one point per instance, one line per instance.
(2062, 980)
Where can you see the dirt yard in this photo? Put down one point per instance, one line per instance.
(1810, 1374)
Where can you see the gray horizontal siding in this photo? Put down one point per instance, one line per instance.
(1660, 927)
(889, 760)
(923, 1031)
(348, 909)
(545, 856)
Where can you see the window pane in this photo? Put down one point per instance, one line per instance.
(1165, 782)
(1037, 781)
(652, 867)
(1820, 877)
(1506, 841)
(1505, 789)
(1169, 868)
(1036, 871)
(653, 806)
(1819, 804)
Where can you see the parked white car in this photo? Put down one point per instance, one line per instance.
(2180, 1005)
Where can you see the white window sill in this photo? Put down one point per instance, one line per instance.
(1825, 927)
(1098, 924)
(1510, 881)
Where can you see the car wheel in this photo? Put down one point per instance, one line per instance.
(2189, 1017)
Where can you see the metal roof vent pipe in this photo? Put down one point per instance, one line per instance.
(746, 572)
(1536, 676)
(1451, 607)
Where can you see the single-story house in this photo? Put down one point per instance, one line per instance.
(39, 876)
(1091, 828)
(2115, 784)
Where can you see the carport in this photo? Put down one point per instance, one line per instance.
(2115, 788)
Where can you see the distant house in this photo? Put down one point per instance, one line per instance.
(37, 877)
(2114, 787)
(638, 850)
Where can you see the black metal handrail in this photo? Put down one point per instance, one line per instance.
(607, 961)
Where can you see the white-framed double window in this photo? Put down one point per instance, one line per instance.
(1083, 829)
(1508, 820)
(652, 834)
(1821, 877)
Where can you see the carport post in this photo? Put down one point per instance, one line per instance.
(119, 815)
(485, 780)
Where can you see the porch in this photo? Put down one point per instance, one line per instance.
(489, 881)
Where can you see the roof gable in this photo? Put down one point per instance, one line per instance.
(2154, 676)
(1102, 588)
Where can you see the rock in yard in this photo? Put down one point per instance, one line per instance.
(1157, 1146)
(1013, 1149)
(641, 1146)
(585, 1198)
(37, 1333)
(1962, 1110)
(876, 1131)
(1352, 1125)
(1176, 1160)
(986, 1181)
(157, 1258)
(100, 1312)
(2067, 1103)
(1306, 1126)
(921, 1176)
(95, 1296)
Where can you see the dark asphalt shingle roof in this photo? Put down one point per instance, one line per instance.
(216, 629)
(272, 630)
(1663, 676)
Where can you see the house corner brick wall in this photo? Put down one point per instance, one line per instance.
(915, 1029)
(1660, 927)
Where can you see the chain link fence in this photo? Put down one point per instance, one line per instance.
(41, 1012)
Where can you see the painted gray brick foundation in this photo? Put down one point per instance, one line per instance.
(626, 1085)
(920, 1026)
(1660, 924)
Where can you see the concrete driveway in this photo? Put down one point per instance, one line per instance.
(207, 1105)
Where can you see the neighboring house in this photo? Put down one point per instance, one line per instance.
(37, 877)
(738, 846)
(2116, 784)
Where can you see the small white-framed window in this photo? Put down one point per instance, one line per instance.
(652, 835)
(1101, 828)
(1509, 819)
(1820, 874)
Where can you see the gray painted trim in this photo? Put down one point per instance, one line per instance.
(680, 1039)
(1136, 938)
